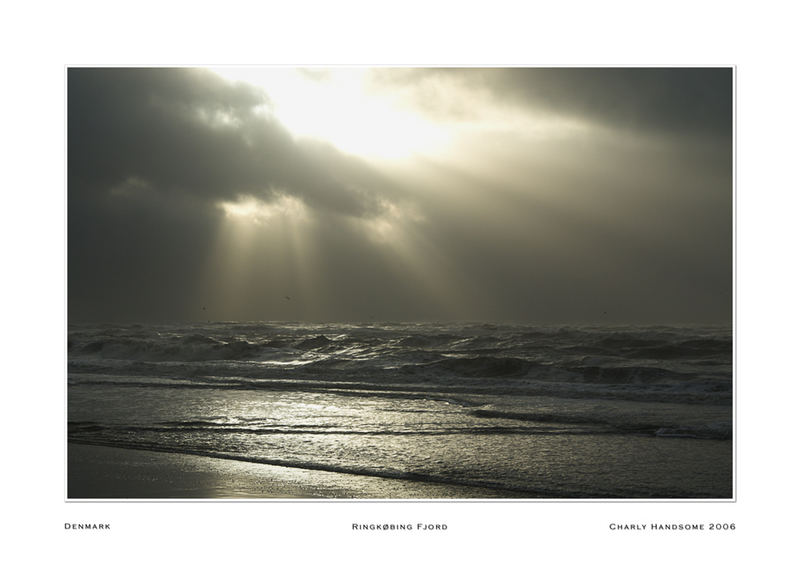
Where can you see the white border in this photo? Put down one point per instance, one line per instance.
(40, 39)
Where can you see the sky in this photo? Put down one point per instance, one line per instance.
(542, 195)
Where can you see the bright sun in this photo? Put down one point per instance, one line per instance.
(335, 105)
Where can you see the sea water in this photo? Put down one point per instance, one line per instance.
(498, 410)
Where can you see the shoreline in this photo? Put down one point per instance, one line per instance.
(109, 472)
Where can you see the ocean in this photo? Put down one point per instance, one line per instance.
(489, 410)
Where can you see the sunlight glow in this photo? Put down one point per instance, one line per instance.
(218, 119)
(264, 244)
(446, 144)
(335, 105)
(389, 226)
(257, 211)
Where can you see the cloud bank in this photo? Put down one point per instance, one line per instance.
(567, 195)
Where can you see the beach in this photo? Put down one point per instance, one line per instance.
(104, 472)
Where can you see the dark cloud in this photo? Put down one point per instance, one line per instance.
(188, 130)
(656, 100)
(151, 153)
(553, 230)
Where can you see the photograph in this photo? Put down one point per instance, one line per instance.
(400, 283)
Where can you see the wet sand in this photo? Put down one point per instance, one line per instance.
(101, 472)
